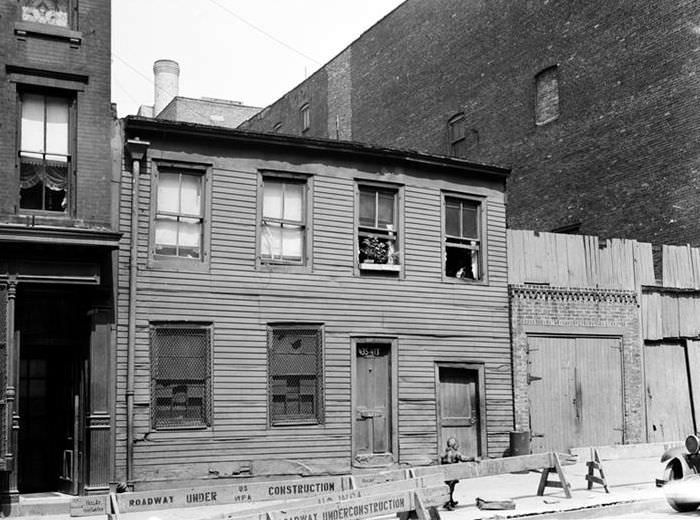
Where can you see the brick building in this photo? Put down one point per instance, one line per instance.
(593, 106)
(56, 242)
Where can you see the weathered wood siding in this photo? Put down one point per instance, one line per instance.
(431, 318)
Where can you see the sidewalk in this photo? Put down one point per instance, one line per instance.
(629, 480)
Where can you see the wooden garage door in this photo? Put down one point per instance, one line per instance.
(667, 389)
(575, 391)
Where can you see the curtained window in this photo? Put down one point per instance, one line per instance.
(179, 215)
(51, 12)
(45, 160)
(283, 226)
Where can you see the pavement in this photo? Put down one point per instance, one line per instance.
(630, 481)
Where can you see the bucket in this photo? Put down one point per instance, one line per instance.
(519, 443)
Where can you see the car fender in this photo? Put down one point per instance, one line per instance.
(669, 454)
(677, 468)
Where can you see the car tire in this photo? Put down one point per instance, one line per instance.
(675, 473)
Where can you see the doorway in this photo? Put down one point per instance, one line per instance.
(460, 407)
(373, 403)
(52, 340)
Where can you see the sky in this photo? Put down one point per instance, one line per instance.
(252, 51)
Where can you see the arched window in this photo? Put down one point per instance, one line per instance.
(547, 95)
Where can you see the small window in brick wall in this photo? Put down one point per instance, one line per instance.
(180, 375)
(295, 374)
(547, 95)
(305, 115)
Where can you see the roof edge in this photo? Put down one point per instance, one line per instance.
(312, 143)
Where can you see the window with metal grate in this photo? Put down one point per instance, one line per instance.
(295, 375)
(180, 393)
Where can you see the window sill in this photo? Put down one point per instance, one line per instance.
(166, 263)
(396, 268)
(300, 422)
(23, 29)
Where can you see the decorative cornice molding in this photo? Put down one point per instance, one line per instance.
(573, 294)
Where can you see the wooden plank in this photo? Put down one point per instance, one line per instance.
(489, 467)
(693, 353)
(644, 265)
(667, 392)
(411, 484)
(670, 316)
(363, 507)
(652, 320)
(214, 495)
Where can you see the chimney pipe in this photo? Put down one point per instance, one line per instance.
(166, 78)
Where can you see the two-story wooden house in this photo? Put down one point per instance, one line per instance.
(56, 244)
(304, 306)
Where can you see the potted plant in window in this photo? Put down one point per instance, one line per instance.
(374, 251)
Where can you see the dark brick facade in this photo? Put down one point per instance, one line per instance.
(621, 160)
(74, 62)
(585, 312)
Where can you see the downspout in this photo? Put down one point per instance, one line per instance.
(136, 150)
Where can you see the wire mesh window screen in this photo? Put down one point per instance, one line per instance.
(295, 372)
(181, 373)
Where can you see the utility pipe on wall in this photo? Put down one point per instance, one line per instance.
(137, 153)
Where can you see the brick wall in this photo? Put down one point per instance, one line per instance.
(581, 312)
(45, 57)
(627, 135)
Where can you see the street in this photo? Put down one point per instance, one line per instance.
(657, 508)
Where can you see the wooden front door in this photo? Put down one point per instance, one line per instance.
(372, 442)
(668, 397)
(575, 391)
(459, 409)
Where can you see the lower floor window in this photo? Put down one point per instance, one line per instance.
(295, 374)
(180, 375)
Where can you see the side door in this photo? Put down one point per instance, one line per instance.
(372, 432)
(459, 410)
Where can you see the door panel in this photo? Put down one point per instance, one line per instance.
(669, 410)
(458, 412)
(575, 391)
(372, 430)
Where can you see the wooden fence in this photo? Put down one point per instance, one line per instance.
(670, 306)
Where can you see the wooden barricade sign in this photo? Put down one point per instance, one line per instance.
(210, 495)
(356, 508)
(415, 484)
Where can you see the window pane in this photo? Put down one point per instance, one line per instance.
(31, 198)
(452, 217)
(462, 263)
(292, 240)
(293, 201)
(32, 123)
(166, 236)
(271, 241)
(189, 238)
(168, 192)
(55, 199)
(470, 220)
(272, 199)
(367, 207)
(191, 195)
(56, 126)
(52, 12)
(386, 210)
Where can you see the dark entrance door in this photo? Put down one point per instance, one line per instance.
(372, 432)
(51, 393)
(458, 409)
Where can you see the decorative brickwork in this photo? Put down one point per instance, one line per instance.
(584, 312)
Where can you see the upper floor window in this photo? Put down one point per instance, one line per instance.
(45, 161)
(305, 115)
(462, 238)
(180, 369)
(457, 135)
(179, 215)
(377, 232)
(295, 374)
(283, 225)
(51, 12)
(547, 95)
